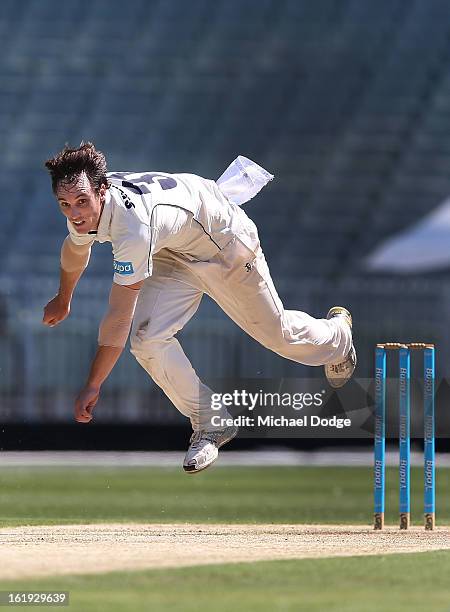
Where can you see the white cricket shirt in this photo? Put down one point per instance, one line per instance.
(146, 212)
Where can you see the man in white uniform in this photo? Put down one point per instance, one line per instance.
(175, 237)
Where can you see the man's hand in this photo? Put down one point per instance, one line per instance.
(74, 259)
(56, 311)
(85, 402)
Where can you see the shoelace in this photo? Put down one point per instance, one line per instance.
(195, 439)
(198, 436)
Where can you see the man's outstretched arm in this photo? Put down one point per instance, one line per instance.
(74, 260)
(112, 337)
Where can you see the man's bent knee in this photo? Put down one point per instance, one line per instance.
(147, 348)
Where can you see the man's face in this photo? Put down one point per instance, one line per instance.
(80, 203)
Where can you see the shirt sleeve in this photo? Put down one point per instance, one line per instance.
(132, 256)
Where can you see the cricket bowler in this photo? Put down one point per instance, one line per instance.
(175, 237)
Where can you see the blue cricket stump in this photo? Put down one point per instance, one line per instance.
(429, 500)
(404, 436)
(404, 432)
(380, 436)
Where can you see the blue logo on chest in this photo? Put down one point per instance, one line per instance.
(123, 267)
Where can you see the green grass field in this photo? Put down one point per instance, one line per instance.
(399, 583)
(225, 495)
(233, 495)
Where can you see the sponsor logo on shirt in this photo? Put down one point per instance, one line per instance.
(126, 200)
(123, 267)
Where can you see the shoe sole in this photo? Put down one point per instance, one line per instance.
(340, 381)
(191, 469)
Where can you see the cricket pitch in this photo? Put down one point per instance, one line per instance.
(37, 551)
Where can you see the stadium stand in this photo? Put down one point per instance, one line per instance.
(345, 101)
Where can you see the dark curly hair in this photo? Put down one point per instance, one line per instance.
(67, 166)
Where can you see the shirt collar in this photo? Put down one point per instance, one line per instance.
(104, 224)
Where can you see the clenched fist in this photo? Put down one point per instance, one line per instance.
(85, 402)
(56, 311)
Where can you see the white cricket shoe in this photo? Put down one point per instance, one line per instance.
(204, 448)
(339, 373)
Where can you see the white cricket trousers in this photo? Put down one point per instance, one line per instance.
(238, 279)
